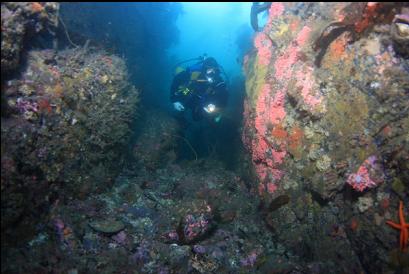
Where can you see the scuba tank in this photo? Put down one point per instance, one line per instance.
(178, 68)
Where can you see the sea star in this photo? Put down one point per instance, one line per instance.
(403, 227)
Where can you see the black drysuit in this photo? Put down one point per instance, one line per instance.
(198, 92)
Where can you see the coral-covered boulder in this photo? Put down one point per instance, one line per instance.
(66, 123)
(21, 21)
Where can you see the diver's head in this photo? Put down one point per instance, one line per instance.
(210, 63)
(211, 68)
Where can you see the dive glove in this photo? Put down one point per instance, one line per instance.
(178, 106)
(209, 108)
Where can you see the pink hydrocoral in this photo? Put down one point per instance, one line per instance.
(305, 81)
(263, 45)
(270, 109)
(269, 113)
(284, 64)
(303, 36)
(286, 68)
(277, 156)
(364, 178)
(261, 170)
(264, 184)
(271, 188)
(265, 166)
(276, 10)
(259, 150)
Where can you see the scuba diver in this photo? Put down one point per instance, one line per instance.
(201, 88)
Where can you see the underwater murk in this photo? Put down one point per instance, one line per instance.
(283, 150)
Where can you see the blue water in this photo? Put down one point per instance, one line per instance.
(213, 28)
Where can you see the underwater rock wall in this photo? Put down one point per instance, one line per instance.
(155, 145)
(20, 22)
(326, 122)
(65, 125)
